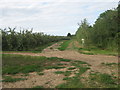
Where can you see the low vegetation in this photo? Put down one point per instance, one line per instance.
(64, 45)
(72, 82)
(26, 40)
(75, 81)
(59, 72)
(13, 64)
(55, 67)
(65, 60)
(95, 51)
(100, 38)
(111, 65)
(40, 73)
(10, 79)
(71, 68)
(37, 87)
(102, 80)
(103, 34)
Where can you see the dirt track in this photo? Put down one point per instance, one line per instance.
(94, 60)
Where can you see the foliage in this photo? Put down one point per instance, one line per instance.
(68, 35)
(103, 34)
(26, 40)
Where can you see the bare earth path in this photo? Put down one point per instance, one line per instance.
(94, 60)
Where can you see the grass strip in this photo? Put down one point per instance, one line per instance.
(64, 45)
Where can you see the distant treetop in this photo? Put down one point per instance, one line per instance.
(68, 35)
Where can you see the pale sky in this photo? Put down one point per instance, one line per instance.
(54, 17)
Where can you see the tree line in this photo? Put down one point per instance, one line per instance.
(26, 40)
(104, 33)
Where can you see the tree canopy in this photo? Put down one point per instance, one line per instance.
(104, 33)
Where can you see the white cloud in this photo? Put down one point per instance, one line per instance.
(51, 16)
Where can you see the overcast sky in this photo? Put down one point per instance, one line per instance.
(55, 17)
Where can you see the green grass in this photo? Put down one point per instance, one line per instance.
(26, 74)
(67, 78)
(64, 45)
(107, 79)
(102, 80)
(55, 67)
(81, 62)
(67, 73)
(109, 64)
(61, 64)
(10, 79)
(65, 60)
(87, 53)
(59, 72)
(13, 64)
(94, 51)
(38, 87)
(74, 82)
(40, 73)
(71, 68)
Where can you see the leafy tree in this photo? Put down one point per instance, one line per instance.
(68, 35)
(83, 32)
(25, 39)
(104, 32)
